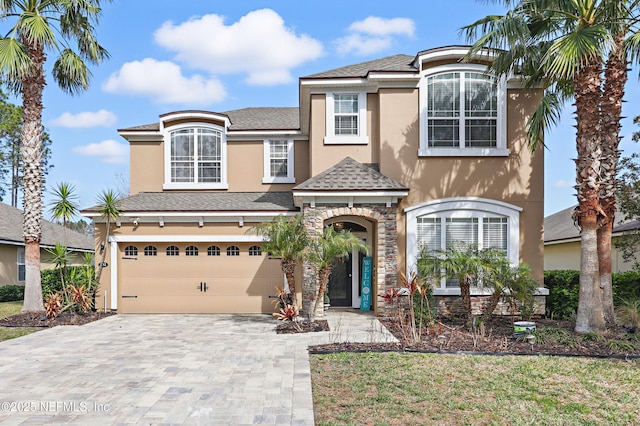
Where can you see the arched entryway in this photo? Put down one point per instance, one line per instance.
(345, 282)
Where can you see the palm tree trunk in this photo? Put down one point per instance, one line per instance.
(465, 293)
(493, 304)
(616, 75)
(590, 317)
(288, 267)
(32, 177)
(604, 263)
(104, 253)
(323, 278)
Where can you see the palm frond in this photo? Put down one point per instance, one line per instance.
(71, 73)
(15, 62)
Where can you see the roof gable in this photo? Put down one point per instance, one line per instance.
(351, 175)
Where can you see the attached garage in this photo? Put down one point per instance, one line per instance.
(199, 277)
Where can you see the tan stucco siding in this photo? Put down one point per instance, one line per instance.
(146, 167)
(567, 256)
(323, 156)
(516, 179)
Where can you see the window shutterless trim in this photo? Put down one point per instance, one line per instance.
(330, 136)
(267, 178)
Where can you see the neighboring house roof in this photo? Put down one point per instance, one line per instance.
(52, 233)
(350, 175)
(396, 63)
(559, 226)
(204, 202)
(266, 118)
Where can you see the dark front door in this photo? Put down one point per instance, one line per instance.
(340, 283)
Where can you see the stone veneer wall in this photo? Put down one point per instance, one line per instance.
(385, 258)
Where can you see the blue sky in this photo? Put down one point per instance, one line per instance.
(219, 56)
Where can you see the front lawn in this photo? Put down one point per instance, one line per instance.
(410, 388)
(8, 309)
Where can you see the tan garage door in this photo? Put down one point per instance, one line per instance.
(195, 278)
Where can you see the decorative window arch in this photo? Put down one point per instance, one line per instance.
(444, 223)
(233, 251)
(462, 112)
(150, 251)
(255, 251)
(191, 251)
(173, 251)
(213, 251)
(131, 251)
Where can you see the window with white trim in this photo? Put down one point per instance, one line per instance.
(278, 161)
(459, 223)
(346, 118)
(195, 157)
(22, 268)
(462, 112)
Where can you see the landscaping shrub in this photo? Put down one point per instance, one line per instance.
(11, 293)
(564, 286)
(73, 275)
(626, 286)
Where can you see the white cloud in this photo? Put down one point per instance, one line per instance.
(377, 26)
(164, 82)
(109, 151)
(102, 118)
(374, 35)
(259, 44)
(563, 183)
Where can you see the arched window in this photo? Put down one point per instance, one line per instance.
(191, 251)
(173, 251)
(150, 251)
(458, 223)
(213, 251)
(131, 251)
(255, 251)
(233, 251)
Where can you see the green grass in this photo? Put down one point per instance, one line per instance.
(403, 388)
(8, 309)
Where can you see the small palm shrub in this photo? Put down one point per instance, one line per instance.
(53, 305)
(628, 313)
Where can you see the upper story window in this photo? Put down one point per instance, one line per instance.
(195, 157)
(462, 113)
(278, 161)
(346, 118)
(458, 223)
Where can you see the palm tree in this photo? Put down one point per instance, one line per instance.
(565, 46)
(108, 208)
(64, 206)
(287, 239)
(327, 249)
(60, 258)
(37, 28)
(461, 262)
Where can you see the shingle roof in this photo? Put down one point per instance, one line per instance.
(559, 226)
(350, 175)
(266, 118)
(205, 202)
(284, 118)
(52, 233)
(396, 63)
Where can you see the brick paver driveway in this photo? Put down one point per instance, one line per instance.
(158, 369)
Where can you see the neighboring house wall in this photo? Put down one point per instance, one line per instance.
(9, 263)
(567, 256)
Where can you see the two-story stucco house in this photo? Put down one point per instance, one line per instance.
(404, 151)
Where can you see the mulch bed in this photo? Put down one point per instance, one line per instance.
(288, 327)
(41, 320)
(497, 338)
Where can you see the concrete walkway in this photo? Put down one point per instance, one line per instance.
(169, 369)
